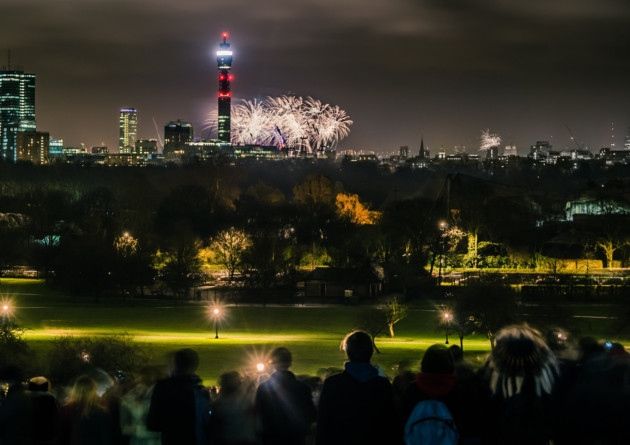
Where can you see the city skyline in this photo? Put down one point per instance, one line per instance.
(401, 70)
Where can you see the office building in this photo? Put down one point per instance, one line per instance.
(55, 147)
(17, 109)
(127, 130)
(176, 135)
(33, 146)
(146, 146)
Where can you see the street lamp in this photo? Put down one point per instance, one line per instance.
(6, 309)
(443, 225)
(447, 318)
(216, 313)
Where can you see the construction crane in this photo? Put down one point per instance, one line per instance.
(159, 138)
(577, 145)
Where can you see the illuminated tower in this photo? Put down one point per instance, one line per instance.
(127, 130)
(17, 108)
(224, 61)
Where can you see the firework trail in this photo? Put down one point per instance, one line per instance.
(489, 140)
(289, 122)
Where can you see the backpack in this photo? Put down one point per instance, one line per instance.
(431, 423)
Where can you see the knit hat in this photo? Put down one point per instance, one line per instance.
(521, 354)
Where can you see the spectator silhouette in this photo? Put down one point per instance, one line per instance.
(284, 404)
(357, 406)
(233, 417)
(134, 408)
(180, 406)
(83, 421)
(439, 380)
(521, 373)
(45, 411)
(16, 412)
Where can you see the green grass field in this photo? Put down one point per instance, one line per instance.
(247, 334)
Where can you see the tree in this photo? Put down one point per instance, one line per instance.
(230, 246)
(315, 191)
(609, 244)
(485, 308)
(395, 312)
(131, 269)
(350, 207)
(180, 266)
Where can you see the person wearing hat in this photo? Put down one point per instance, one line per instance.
(284, 404)
(521, 373)
(45, 411)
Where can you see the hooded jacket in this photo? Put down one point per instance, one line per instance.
(357, 407)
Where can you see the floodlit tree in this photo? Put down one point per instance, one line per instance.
(609, 245)
(395, 311)
(350, 207)
(230, 246)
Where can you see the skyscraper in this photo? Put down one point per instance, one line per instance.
(176, 134)
(224, 62)
(128, 130)
(17, 109)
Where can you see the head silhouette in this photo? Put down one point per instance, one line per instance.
(281, 359)
(186, 362)
(358, 346)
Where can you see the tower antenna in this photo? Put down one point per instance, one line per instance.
(9, 59)
(224, 62)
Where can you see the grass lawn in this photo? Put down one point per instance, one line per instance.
(247, 333)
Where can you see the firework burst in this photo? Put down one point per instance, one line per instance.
(489, 140)
(291, 122)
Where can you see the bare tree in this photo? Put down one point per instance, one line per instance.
(395, 311)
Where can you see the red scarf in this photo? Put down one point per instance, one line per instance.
(435, 385)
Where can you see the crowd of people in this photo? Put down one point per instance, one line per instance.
(532, 389)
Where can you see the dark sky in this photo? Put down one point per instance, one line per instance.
(444, 68)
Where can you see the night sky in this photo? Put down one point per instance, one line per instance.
(444, 68)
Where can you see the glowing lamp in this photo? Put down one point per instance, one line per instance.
(260, 367)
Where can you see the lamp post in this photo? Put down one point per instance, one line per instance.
(447, 317)
(443, 225)
(216, 313)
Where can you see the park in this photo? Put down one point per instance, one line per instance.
(247, 333)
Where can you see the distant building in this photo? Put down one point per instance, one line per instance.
(510, 151)
(99, 150)
(17, 109)
(540, 150)
(146, 146)
(55, 147)
(595, 207)
(127, 130)
(626, 141)
(424, 151)
(32, 146)
(404, 152)
(176, 135)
